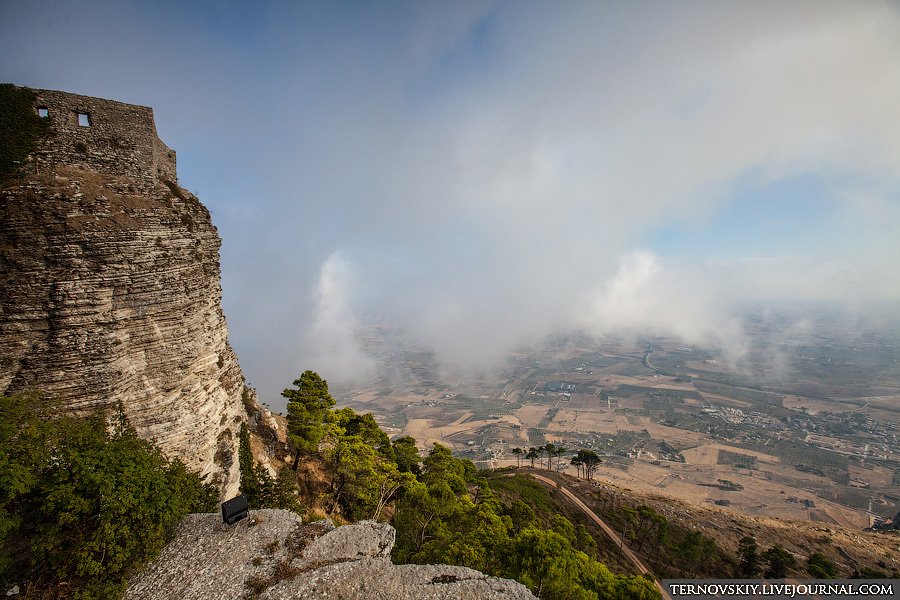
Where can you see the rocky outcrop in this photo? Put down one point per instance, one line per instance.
(268, 433)
(273, 556)
(110, 290)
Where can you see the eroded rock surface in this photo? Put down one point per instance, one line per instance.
(360, 540)
(111, 294)
(272, 555)
(375, 579)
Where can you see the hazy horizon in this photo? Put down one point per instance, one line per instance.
(486, 174)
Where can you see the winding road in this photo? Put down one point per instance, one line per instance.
(606, 528)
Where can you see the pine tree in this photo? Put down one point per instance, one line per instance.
(307, 407)
(749, 554)
(779, 562)
(249, 480)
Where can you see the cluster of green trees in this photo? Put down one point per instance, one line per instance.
(264, 491)
(671, 549)
(362, 465)
(444, 511)
(585, 461)
(450, 514)
(365, 470)
(84, 502)
(549, 450)
(777, 562)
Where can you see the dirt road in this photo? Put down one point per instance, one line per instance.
(606, 528)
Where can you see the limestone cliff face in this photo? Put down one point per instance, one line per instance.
(110, 293)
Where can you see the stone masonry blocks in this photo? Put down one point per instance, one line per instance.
(103, 136)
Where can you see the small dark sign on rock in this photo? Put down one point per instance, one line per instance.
(235, 509)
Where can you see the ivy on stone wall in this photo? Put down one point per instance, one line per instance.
(20, 128)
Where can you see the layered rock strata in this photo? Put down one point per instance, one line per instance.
(110, 290)
(273, 556)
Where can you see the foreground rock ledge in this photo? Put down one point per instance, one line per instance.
(274, 556)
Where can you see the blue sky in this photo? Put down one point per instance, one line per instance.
(488, 173)
(795, 215)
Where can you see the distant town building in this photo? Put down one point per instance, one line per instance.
(560, 386)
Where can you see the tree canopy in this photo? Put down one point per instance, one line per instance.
(821, 567)
(778, 562)
(748, 551)
(406, 453)
(307, 408)
(586, 462)
(84, 501)
(450, 514)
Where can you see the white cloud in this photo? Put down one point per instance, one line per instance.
(331, 341)
(646, 298)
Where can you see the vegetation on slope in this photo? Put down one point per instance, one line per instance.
(83, 501)
(264, 491)
(450, 514)
(677, 539)
(443, 509)
(509, 525)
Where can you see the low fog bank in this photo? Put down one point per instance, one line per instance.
(742, 318)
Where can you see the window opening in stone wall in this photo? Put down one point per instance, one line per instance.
(43, 112)
(84, 120)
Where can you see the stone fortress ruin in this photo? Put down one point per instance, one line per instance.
(103, 136)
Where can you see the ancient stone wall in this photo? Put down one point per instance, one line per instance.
(103, 136)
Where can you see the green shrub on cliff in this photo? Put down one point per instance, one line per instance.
(83, 502)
